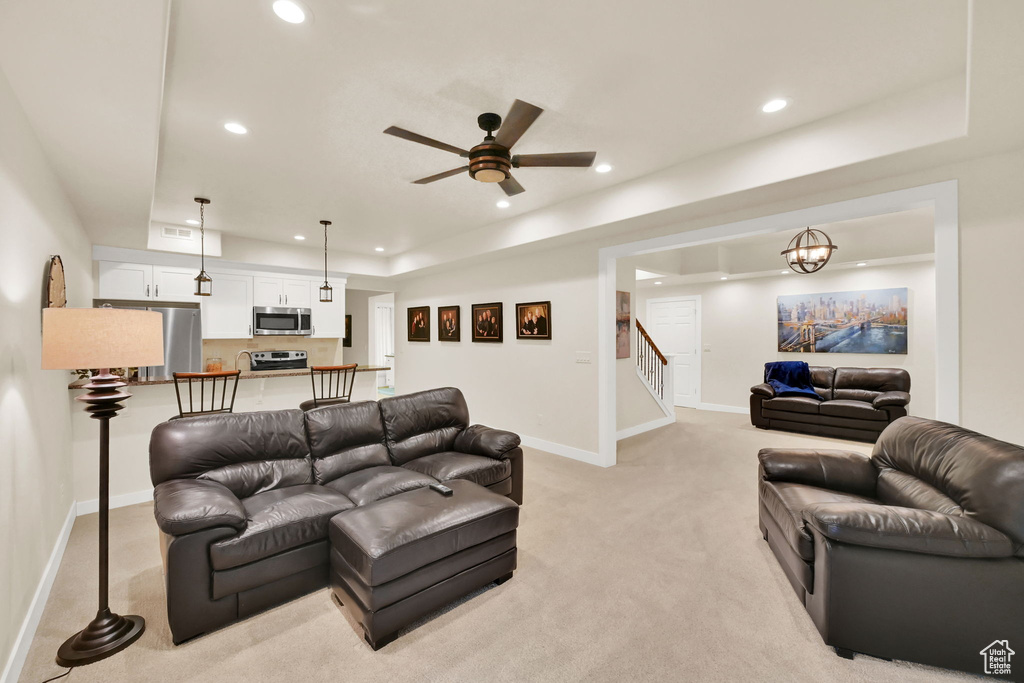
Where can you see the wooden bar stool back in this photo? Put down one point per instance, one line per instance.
(202, 392)
(331, 384)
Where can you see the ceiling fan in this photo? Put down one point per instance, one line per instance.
(492, 161)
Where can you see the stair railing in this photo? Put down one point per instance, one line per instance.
(650, 360)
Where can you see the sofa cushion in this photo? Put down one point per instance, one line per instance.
(390, 538)
(374, 483)
(983, 475)
(279, 520)
(423, 423)
(786, 501)
(858, 410)
(246, 452)
(344, 438)
(822, 379)
(864, 384)
(793, 404)
(450, 465)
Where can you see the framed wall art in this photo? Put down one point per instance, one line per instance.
(449, 323)
(533, 320)
(419, 324)
(487, 322)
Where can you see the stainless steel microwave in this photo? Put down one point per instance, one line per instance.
(273, 320)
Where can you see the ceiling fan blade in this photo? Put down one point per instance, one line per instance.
(520, 117)
(423, 140)
(511, 186)
(574, 159)
(440, 176)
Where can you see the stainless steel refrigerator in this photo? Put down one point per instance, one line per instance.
(183, 339)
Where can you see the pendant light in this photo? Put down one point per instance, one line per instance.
(326, 292)
(809, 251)
(204, 285)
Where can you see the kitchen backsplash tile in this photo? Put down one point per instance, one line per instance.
(320, 351)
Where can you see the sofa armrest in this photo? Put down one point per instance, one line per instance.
(182, 506)
(763, 389)
(908, 529)
(846, 471)
(891, 398)
(481, 440)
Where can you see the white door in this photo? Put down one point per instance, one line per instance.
(174, 284)
(227, 312)
(125, 281)
(674, 325)
(296, 293)
(266, 291)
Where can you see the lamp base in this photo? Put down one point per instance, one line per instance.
(105, 635)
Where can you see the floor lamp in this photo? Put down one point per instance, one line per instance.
(101, 338)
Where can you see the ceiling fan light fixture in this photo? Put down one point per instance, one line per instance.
(809, 251)
(490, 175)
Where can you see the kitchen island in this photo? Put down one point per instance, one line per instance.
(153, 401)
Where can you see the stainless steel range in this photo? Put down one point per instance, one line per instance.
(278, 360)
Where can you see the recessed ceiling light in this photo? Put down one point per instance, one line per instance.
(192, 221)
(784, 272)
(379, 249)
(502, 204)
(236, 128)
(603, 168)
(289, 11)
(658, 282)
(772, 106)
(724, 277)
(862, 263)
(300, 237)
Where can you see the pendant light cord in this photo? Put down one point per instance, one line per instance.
(325, 253)
(202, 238)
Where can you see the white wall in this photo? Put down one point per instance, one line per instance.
(532, 387)
(634, 404)
(36, 221)
(356, 305)
(739, 322)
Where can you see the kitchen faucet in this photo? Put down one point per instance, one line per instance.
(239, 355)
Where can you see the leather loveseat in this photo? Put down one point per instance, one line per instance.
(857, 403)
(916, 553)
(244, 500)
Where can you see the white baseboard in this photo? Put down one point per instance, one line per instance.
(559, 449)
(87, 507)
(645, 427)
(12, 671)
(722, 409)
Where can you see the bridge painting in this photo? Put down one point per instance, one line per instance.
(865, 321)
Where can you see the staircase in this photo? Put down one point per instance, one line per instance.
(655, 369)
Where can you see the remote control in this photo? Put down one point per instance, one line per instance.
(442, 489)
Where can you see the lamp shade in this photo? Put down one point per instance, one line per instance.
(92, 338)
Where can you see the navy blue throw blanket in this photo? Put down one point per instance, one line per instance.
(790, 378)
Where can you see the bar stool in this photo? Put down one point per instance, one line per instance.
(200, 405)
(338, 389)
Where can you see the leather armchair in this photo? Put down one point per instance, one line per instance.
(915, 553)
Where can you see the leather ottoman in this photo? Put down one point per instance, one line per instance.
(403, 557)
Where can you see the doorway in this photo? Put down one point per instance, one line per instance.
(674, 324)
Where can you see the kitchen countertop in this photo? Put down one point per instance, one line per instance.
(257, 374)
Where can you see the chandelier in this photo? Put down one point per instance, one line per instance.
(809, 251)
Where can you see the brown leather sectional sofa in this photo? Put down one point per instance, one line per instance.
(916, 553)
(244, 500)
(857, 403)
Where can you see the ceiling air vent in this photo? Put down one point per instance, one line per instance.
(177, 233)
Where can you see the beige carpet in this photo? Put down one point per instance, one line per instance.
(651, 570)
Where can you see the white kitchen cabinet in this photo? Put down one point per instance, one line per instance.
(278, 291)
(227, 312)
(132, 281)
(328, 318)
(175, 284)
(296, 293)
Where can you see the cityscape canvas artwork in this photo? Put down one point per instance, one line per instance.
(867, 321)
